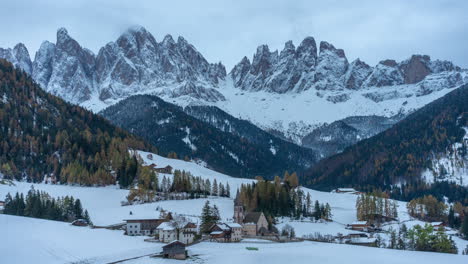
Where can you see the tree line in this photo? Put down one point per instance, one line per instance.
(149, 187)
(39, 204)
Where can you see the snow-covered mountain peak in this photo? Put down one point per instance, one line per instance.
(168, 41)
(18, 56)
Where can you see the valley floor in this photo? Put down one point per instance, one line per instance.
(26, 240)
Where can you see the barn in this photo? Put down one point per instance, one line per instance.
(175, 250)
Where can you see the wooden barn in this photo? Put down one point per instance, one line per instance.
(166, 170)
(174, 250)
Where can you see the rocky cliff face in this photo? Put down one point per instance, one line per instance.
(134, 63)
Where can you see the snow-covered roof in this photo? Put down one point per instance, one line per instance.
(234, 225)
(347, 189)
(359, 223)
(363, 240)
(173, 242)
(216, 232)
(223, 226)
(136, 217)
(165, 226)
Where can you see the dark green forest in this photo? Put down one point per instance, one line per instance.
(400, 154)
(40, 134)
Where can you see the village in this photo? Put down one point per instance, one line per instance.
(174, 226)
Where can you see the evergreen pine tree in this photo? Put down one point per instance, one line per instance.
(214, 192)
(464, 227)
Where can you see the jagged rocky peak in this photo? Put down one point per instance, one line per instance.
(66, 69)
(263, 60)
(168, 41)
(357, 73)
(325, 46)
(385, 73)
(42, 66)
(137, 62)
(288, 51)
(306, 52)
(287, 71)
(416, 68)
(331, 67)
(240, 71)
(18, 56)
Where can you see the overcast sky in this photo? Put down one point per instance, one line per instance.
(228, 30)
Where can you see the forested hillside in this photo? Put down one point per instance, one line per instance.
(178, 134)
(42, 135)
(399, 155)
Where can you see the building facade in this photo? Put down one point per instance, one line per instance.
(142, 227)
(226, 232)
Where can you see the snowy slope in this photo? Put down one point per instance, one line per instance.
(297, 114)
(30, 240)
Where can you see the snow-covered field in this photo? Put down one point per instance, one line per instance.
(29, 240)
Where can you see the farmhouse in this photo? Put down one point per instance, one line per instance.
(346, 190)
(359, 226)
(137, 227)
(80, 222)
(226, 232)
(175, 250)
(166, 170)
(167, 232)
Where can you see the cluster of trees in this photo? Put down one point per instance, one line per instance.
(400, 154)
(288, 231)
(427, 239)
(183, 186)
(456, 215)
(39, 204)
(209, 217)
(421, 238)
(281, 198)
(42, 135)
(427, 208)
(372, 206)
(186, 182)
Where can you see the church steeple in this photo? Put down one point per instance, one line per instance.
(238, 210)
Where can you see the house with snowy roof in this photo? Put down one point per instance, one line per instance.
(346, 190)
(226, 232)
(143, 226)
(167, 232)
(359, 226)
